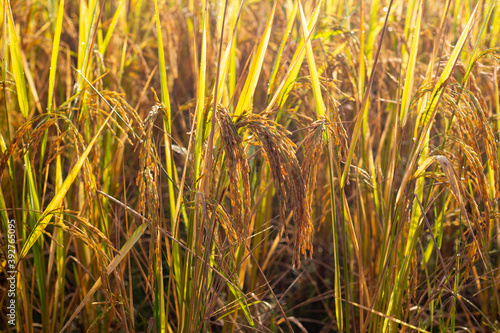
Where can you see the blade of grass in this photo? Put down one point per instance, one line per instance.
(165, 99)
(320, 105)
(17, 66)
(410, 69)
(104, 46)
(282, 92)
(277, 60)
(245, 101)
(55, 53)
(200, 102)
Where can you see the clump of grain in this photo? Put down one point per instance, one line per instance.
(279, 151)
(320, 130)
(238, 170)
(146, 180)
(25, 139)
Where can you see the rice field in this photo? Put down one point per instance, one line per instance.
(250, 166)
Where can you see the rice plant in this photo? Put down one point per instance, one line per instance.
(250, 166)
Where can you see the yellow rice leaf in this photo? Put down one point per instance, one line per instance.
(282, 92)
(246, 96)
(320, 105)
(17, 66)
